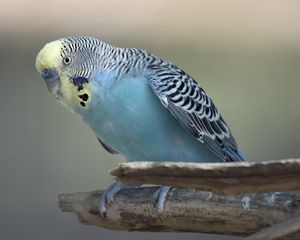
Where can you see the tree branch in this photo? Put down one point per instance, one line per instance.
(221, 178)
(186, 211)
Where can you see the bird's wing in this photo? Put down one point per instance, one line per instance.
(107, 148)
(191, 106)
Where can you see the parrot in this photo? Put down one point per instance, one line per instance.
(137, 104)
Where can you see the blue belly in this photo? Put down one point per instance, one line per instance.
(129, 118)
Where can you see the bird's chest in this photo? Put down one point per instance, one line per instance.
(123, 115)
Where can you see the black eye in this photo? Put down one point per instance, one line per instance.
(67, 60)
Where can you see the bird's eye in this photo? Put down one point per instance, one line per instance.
(67, 60)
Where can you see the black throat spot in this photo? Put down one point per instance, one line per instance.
(84, 97)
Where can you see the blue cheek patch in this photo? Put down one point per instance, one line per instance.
(79, 81)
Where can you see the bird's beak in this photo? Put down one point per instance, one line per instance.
(51, 79)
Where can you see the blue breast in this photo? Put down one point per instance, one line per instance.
(127, 116)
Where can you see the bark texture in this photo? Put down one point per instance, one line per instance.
(238, 199)
(186, 210)
(221, 178)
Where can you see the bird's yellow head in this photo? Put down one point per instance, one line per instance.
(67, 65)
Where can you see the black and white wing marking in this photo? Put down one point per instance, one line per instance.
(191, 106)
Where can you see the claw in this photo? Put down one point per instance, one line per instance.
(108, 196)
(160, 196)
(102, 207)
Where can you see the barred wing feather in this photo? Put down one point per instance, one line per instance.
(192, 107)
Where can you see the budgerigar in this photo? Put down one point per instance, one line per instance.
(138, 105)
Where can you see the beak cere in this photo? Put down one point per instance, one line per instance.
(51, 79)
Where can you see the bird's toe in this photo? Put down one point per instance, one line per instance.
(160, 196)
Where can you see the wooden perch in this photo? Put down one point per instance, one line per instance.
(189, 210)
(221, 178)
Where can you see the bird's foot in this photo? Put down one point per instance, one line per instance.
(160, 196)
(108, 195)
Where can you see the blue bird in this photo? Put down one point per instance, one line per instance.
(138, 105)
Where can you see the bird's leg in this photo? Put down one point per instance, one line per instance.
(108, 195)
(160, 196)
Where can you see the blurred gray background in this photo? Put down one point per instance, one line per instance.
(246, 55)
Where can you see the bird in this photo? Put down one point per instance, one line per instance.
(137, 104)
